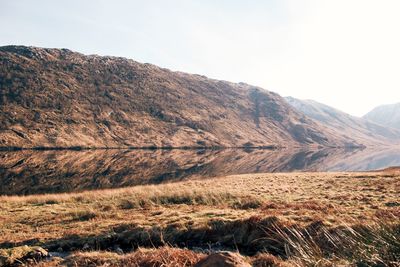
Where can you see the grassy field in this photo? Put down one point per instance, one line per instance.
(286, 219)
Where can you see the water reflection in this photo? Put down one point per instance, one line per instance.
(34, 172)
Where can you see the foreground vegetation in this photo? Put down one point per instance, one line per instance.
(295, 219)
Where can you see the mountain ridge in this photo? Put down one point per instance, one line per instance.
(388, 115)
(60, 98)
(362, 129)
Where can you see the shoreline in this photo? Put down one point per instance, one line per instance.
(261, 147)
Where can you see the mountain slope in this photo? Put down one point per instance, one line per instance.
(361, 129)
(388, 115)
(59, 98)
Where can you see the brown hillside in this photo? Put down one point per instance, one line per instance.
(59, 98)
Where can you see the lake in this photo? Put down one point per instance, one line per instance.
(55, 171)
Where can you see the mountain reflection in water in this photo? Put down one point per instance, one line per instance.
(36, 172)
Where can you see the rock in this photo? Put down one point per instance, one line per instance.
(118, 250)
(21, 254)
(37, 253)
(223, 259)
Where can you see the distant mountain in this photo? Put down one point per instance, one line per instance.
(359, 128)
(388, 115)
(60, 98)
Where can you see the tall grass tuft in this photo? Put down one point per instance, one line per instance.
(377, 244)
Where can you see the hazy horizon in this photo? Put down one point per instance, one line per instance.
(341, 53)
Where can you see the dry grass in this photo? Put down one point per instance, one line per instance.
(165, 256)
(302, 218)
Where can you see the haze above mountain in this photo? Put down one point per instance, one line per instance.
(59, 98)
(360, 128)
(280, 45)
(388, 115)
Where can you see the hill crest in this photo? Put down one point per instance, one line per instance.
(60, 98)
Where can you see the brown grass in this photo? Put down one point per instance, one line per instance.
(165, 256)
(302, 218)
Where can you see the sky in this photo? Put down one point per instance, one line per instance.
(343, 53)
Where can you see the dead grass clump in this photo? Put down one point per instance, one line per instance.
(247, 203)
(95, 258)
(185, 197)
(164, 256)
(107, 207)
(192, 198)
(83, 198)
(43, 201)
(83, 215)
(375, 245)
(174, 199)
(128, 204)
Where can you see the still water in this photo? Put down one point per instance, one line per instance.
(34, 172)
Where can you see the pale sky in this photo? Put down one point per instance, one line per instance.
(344, 53)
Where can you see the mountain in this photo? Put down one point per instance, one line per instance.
(60, 98)
(359, 128)
(388, 115)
